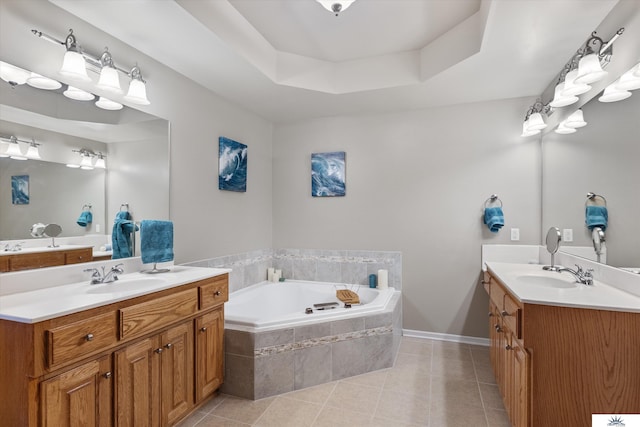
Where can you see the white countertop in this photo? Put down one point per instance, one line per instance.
(599, 296)
(37, 249)
(43, 304)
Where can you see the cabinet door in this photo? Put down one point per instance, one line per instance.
(137, 395)
(209, 353)
(79, 397)
(520, 387)
(176, 372)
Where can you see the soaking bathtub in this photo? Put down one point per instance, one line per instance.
(274, 344)
(267, 305)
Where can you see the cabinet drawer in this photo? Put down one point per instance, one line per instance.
(511, 315)
(35, 260)
(81, 255)
(497, 294)
(87, 336)
(214, 293)
(153, 315)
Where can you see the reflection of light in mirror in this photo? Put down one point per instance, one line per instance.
(612, 94)
(12, 74)
(590, 70)
(107, 104)
(571, 87)
(575, 120)
(41, 82)
(561, 100)
(563, 129)
(77, 94)
(629, 81)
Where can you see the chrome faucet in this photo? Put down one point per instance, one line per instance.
(15, 248)
(108, 277)
(581, 276)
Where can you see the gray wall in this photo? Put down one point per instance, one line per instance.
(416, 183)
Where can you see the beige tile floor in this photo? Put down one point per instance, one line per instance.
(432, 383)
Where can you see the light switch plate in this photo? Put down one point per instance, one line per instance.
(515, 234)
(567, 235)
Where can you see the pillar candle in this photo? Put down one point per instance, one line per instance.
(383, 279)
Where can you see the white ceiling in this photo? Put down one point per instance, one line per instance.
(291, 59)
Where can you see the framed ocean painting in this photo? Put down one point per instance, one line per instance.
(20, 189)
(232, 165)
(328, 174)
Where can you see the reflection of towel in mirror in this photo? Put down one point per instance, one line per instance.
(121, 235)
(494, 218)
(85, 219)
(156, 241)
(596, 216)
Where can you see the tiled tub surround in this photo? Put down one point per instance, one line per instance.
(263, 364)
(340, 266)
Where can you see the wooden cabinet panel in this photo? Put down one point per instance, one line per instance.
(35, 260)
(214, 293)
(137, 370)
(78, 256)
(81, 338)
(177, 372)
(209, 353)
(79, 397)
(4, 264)
(152, 315)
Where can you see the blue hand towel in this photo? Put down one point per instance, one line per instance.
(85, 219)
(596, 216)
(156, 241)
(121, 235)
(494, 218)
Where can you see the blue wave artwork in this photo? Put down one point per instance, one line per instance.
(328, 174)
(20, 189)
(232, 165)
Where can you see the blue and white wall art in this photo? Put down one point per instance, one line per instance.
(232, 165)
(20, 189)
(328, 174)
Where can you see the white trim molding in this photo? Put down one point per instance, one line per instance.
(446, 337)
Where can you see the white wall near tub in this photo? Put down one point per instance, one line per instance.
(416, 183)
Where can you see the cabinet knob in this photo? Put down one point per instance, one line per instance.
(217, 293)
(498, 328)
(168, 346)
(89, 337)
(158, 350)
(203, 329)
(107, 375)
(508, 347)
(505, 313)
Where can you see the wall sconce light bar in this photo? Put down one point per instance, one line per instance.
(77, 61)
(15, 152)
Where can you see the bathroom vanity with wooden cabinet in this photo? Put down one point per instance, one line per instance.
(28, 260)
(148, 360)
(558, 361)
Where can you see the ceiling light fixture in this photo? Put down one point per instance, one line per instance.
(77, 61)
(336, 6)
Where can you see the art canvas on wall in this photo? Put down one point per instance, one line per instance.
(20, 189)
(232, 165)
(328, 174)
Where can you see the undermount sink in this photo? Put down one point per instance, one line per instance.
(547, 281)
(126, 284)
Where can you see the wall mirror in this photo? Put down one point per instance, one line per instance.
(136, 146)
(601, 158)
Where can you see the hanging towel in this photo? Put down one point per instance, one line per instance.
(596, 216)
(156, 241)
(85, 218)
(121, 235)
(494, 218)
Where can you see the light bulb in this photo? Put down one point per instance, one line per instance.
(74, 66)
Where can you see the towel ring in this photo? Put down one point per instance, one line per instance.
(126, 207)
(595, 199)
(86, 207)
(492, 199)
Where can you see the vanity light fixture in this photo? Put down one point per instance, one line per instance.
(32, 151)
(41, 82)
(533, 121)
(14, 150)
(13, 75)
(336, 6)
(564, 129)
(612, 93)
(78, 94)
(107, 104)
(77, 61)
(571, 87)
(629, 80)
(86, 162)
(100, 163)
(560, 99)
(596, 55)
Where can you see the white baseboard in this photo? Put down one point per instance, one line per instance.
(446, 337)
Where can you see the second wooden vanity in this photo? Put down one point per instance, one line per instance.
(557, 365)
(145, 361)
(19, 261)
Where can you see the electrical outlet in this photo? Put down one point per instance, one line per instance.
(567, 235)
(97, 228)
(515, 234)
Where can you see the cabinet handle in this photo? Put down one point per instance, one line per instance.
(168, 346)
(505, 313)
(490, 314)
(217, 293)
(498, 328)
(508, 347)
(107, 375)
(89, 337)
(158, 350)
(203, 329)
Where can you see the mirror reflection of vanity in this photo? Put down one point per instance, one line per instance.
(602, 158)
(136, 177)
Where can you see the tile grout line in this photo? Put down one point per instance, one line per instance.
(324, 404)
(484, 406)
